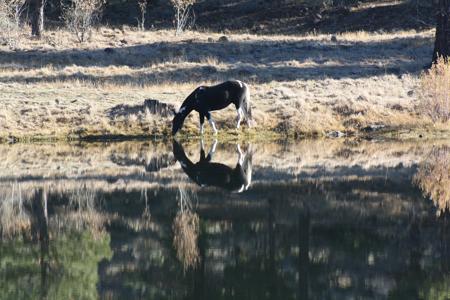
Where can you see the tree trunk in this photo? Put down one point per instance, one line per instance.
(37, 18)
(442, 43)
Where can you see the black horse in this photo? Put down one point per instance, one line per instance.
(205, 99)
(207, 173)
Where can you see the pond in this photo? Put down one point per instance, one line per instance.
(310, 219)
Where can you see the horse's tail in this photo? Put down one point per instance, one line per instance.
(247, 106)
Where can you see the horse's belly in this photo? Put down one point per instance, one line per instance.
(218, 106)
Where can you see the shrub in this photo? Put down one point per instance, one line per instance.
(10, 13)
(184, 15)
(81, 15)
(435, 92)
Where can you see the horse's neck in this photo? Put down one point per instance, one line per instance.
(189, 104)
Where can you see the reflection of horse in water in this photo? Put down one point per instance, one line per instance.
(207, 173)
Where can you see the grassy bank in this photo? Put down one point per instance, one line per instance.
(313, 85)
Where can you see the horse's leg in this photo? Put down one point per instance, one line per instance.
(239, 117)
(211, 122)
(202, 150)
(202, 121)
(240, 157)
(212, 150)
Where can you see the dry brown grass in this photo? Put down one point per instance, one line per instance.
(435, 92)
(57, 88)
(433, 178)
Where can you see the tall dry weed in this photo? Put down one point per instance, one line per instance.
(433, 178)
(435, 92)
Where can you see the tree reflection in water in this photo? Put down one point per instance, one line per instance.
(50, 256)
(313, 225)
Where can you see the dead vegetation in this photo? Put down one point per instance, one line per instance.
(435, 92)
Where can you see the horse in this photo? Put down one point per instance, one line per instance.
(207, 173)
(205, 99)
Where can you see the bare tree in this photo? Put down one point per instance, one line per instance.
(143, 10)
(184, 15)
(442, 42)
(81, 15)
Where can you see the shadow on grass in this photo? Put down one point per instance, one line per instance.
(264, 74)
(290, 17)
(256, 61)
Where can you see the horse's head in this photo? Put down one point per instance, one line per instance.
(188, 105)
(178, 120)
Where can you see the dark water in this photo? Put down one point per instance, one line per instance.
(139, 220)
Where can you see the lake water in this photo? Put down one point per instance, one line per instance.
(324, 219)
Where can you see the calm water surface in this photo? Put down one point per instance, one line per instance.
(296, 220)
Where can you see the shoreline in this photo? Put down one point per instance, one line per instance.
(253, 135)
